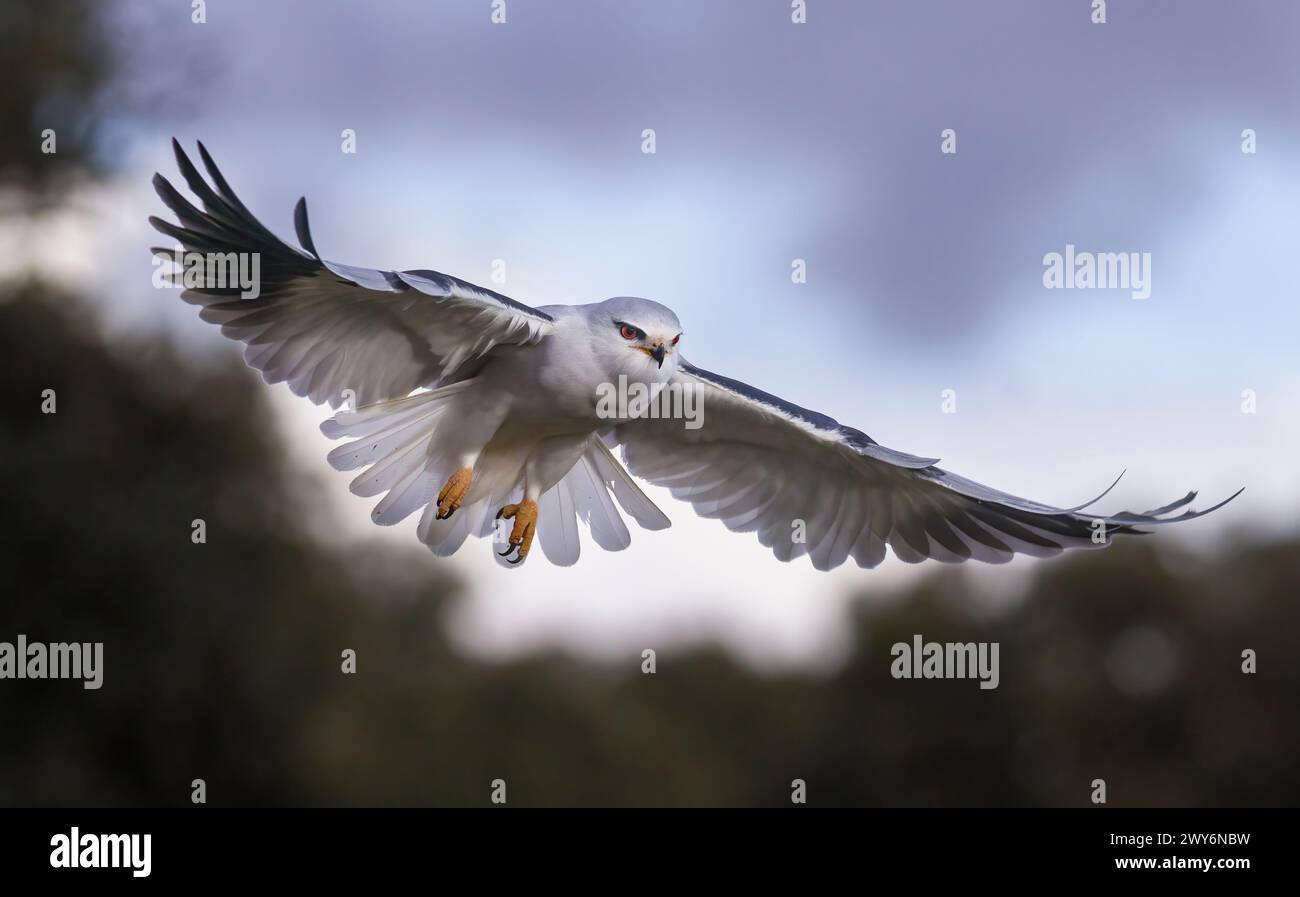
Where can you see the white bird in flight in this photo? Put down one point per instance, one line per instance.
(472, 408)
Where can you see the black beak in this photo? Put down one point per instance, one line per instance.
(657, 353)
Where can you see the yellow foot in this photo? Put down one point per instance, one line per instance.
(521, 537)
(453, 493)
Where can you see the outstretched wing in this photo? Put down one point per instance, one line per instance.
(808, 485)
(328, 328)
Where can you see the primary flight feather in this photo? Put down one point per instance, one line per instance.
(472, 409)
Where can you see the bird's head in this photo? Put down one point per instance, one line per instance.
(637, 338)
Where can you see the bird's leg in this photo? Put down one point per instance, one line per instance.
(521, 537)
(548, 462)
(453, 492)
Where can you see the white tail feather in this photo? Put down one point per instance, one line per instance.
(395, 441)
(630, 497)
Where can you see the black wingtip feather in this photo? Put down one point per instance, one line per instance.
(216, 207)
(1172, 506)
(1149, 519)
(163, 227)
(223, 187)
(171, 197)
(1092, 501)
(301, 226)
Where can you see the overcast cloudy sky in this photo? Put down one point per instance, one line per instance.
(775, 141)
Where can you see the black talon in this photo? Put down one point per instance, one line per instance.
(500, 512)
(519, 559)
(509, 548)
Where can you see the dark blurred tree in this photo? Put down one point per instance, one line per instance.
(215, 651)
(58, 63)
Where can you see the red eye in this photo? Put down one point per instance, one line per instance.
(627, 331)
(676, 338)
